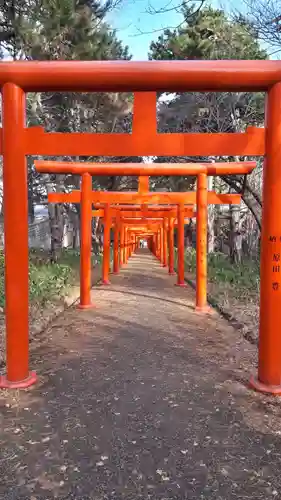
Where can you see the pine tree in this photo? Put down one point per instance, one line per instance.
(210, 34)
(17, 18)
(68, 30)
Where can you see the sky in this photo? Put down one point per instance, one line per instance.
(136, 26)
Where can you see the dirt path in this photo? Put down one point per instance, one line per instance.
(141, 398)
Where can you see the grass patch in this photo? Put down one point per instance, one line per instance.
(234, 289)
(242, 277)
(47, 281)
(72, 258)
(238, 281)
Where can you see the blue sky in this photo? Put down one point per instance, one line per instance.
(136, 27)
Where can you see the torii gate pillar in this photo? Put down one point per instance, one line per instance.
(181, 280)
(165, 242)
(269, 366)
(116, 246)
(86, 242)
(106, 245)
(201, 244)
(16, 232)
(158, 244)
(126, 248)
(154, 245)
(171, 246)
(122, 245)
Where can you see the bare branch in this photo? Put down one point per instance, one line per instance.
(179, 7)
(265, 18)
(170, 7)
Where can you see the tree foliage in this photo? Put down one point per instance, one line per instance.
(208, 34)
(65, 30)
(211, 34)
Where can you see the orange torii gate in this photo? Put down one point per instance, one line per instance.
(145, 79)
(87, 213)
(159, 198)
(144, 210)
(106, 211)
(203, 197)
(200, 170)
(123, 216)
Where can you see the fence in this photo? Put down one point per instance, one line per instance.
(39, 235)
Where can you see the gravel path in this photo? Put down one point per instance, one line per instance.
(141, 398)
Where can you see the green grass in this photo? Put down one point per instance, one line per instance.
(244, 276)
(48, 281)
(72, 258)
(243, 279)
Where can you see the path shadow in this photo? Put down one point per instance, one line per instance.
(123, 292)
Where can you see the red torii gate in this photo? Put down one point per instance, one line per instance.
(201, 170)
(145, 211)
(202, 197)
(107, 211)
(124, 217)
(17, 78)
(151, 197)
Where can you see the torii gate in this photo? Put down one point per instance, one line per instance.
(145, 78)
(203, 198)
(171, 198)
(125, 217)
(87, 196)
(87, 213)
(163, 211)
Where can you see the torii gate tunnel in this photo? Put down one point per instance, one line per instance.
(87, 196)
(202, 197)
(144, 79)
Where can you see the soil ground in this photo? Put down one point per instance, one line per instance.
(140, 398)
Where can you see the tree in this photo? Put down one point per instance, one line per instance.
(212, 35)
(65, 29)
(80, 36)
(20, 19)
(17, 17)
(264, 16)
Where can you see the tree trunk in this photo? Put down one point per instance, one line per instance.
(96, 236)
(56, 220)
(76, 231)
(234, 234)
(31, 211)
(188, 235)
(251, 198)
